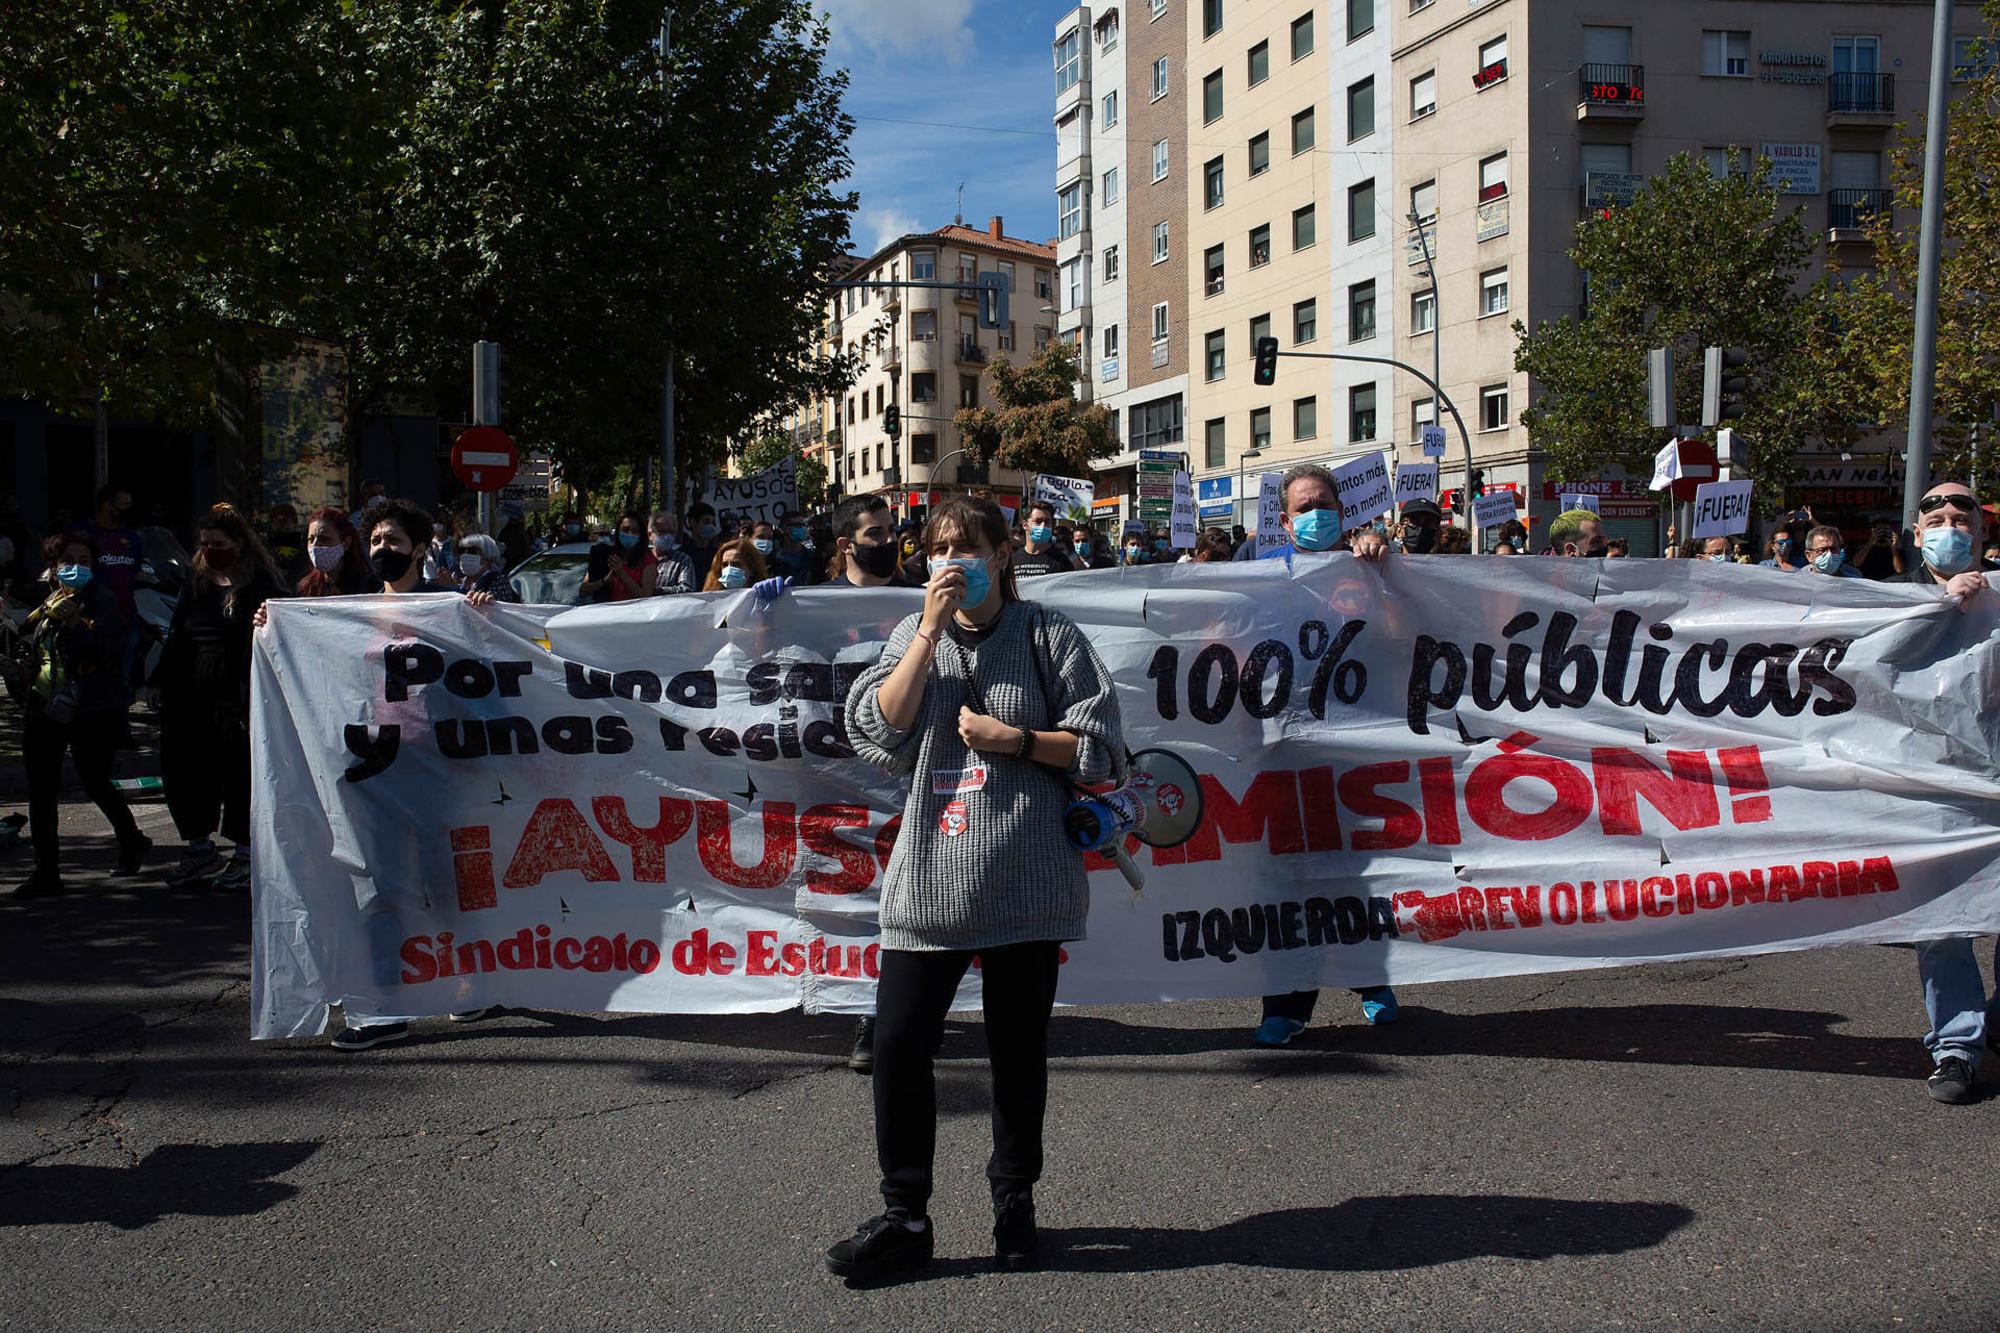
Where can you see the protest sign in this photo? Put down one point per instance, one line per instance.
(756, 499)
(1071, 496)
(1270, 513)
(1364, 489)
(1578, 500)
(1721, 509)
(1416, 481)
(1432, 442)
(1183, 527)
(1493, 509)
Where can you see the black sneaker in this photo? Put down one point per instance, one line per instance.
(862, 1058)
(352, 1038)
(132, 855)
(881, 1246)
(1953, 1082)
(42, 884)
(1015, 1246)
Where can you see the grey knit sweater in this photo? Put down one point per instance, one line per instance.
(981, 860)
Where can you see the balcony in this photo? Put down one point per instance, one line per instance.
(966, 295)
(1851, 212)
(1611, 94)
(970, 353)
(892, 301)
(1860, 101)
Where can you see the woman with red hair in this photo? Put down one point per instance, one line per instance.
(339, 565)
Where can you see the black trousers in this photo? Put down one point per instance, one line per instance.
(1018, 983)
(205, 768)
(1296, 1004)
(91, 742)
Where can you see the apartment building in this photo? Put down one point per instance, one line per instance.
(923, 350)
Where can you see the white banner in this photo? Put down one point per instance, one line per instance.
(1435, 768)
(1071, 496)
(1183, 527)
(1569, 501)
(1416, 481)
(1364, 489)
(757, 499)
(1721, 508)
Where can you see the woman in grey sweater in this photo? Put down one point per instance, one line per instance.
(992, 707)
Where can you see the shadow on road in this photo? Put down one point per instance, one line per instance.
(228, 1180)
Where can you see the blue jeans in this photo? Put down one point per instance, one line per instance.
(1955, 997)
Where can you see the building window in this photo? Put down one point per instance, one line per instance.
(1211, 98)
(1424, 202)
(1361, 110)
(1111, 340)
(864, 407)
(1159, 78)
(1361, 311)
(1424, 313)
(1493, 292)
(1722, 161)
(1160, 322)
(1160, 160)
(1423, 412)
(1492, 62)
(1493, 407)
(1157, 424)
(1069, 208)
(923, 449)
(1360, 18)
(968, 390)
(1302, 131)
(1211, 17)
(1260, 428)
(1492, 177)
(1109, 109)
(1361, 211)
(1260, 154)
(1073, 271)
(1215, 445)
(1302, 36)
(1260, 246)
(1110, 187)
(923, 326)
(1006, 337)
(1107, 33)
(1305, 418)
(1305, 321)
(1725, 54)
(923, 266)
(1305, 226)
(1260, 63)
(923, 387)
(1423, 95)
(1213, 358)
(1159, 7)
(1069, 62)
(1211, 183)
(1159, 242)
(1260, 329)
(1361, 413)
(1108, 265)
(1211, 271)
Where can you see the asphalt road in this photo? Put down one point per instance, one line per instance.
(1737, 1145)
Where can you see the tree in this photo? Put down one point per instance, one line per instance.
(1039, 425)
(768, 450)
(1694, 261)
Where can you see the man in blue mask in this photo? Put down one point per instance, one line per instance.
(1040, 554)
(1965, 1021)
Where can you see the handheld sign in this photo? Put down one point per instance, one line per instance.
(1416, 481)
(1490, 511)
(1568, 502)
(1433, 441)
(1270, 512)
(1363, 488)
(1181, 529)
(1721, 509)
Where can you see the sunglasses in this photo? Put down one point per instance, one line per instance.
(1932, 503)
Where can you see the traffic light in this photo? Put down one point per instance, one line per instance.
(892, 421)
(1266, 371)
(1660, 388)
(1477, 487)
(1725, 387)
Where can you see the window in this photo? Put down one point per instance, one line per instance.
(1305, 321)
(1260, 63)
(1361, 311)
(1423, 95)
(1111, 340)
(923, 326)
(1107, 266)
(1360, 18)
(1260, 328)
(864, 407)
(968, 390)
(1108, 192)
(1260, 245)
(1423, 412)
(1073, 284)
(1424, 312)
(1159, 242)
(923, 449)
(923, 266)
(1260, 154)
(1107, 33)
(1361, 412)
(1305, 418)
(1424, 201)
(1493, 292)
(1971, 57)
(1211, 17)
(1211, 183)
(1213, 359)
(1211, 98)
(1260, 428)
(1069, 207)
(1159, 78)
(850, 410)
(1160, 322)
(1211, 271)
(1007, 269)
(1492, 177)
(1215, 446)
(1606, 45)
(1160, 160)
(1416, 5)
(923, 387)
(1069, 62)
(1361, 110)
(1493, 407)
(1108, 110)
(1725, 53)
(1157, 424)
(1361, 211)
(1159, 7)
(1605, 157)
(1305, 226)
(1719, 162)
(879, 449)
(1302, 131)
(1302, 36)
(1492, 62)
(1006, 338)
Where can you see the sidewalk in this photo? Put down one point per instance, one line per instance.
(141, 761)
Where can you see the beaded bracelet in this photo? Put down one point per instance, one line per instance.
(1026, 750)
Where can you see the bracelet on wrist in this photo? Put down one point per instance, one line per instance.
(1026, 749)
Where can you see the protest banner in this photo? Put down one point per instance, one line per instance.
(1270, 513)
(1493, 509)
(760, 498)
(1364, 490)
(1426, 769)
(1183, 526)
(1721, 509)
(1416, 481)
(1071, 496)
(1432, 442)
(1577, 500)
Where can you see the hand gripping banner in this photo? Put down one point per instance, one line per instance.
(1441, 767)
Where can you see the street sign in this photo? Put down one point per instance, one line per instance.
(484, 459)
(1697, 468)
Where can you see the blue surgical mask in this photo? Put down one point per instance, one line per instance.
(1041, 532)
(1316, 529)
(798, 534)
(74, 576)
(1829, 562)
(1947, 550)
(735, 576)
(978, 583)
(1135, 555)
(663, 542)
(707, 532)
(1721, 559)
(628, 540)
(1083, 548)
(764, 545)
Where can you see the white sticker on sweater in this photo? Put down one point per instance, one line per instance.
(950, 781)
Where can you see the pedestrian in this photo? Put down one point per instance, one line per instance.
(1039, 554)
(737, 564)
(1781, 548)
(1617, 548)
(865, 550)
(481, 568)
(673, 572)
(513, 536)
(1211, 546)
(981, 867)
(441, 556)
(287, 545)
(119, 550)
(1881, 557)
(700, 534)
(1577, 533)
(1826, 553)
(73, 694)
(339, 567)
(915, 568)
(374, 493)
(204, 681)
(568, 529)
(624, 568)
(1715, 550)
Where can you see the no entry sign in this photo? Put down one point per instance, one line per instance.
(484, 458)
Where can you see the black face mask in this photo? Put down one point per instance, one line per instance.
(877, 562)
(1420, 539)
(388, 565)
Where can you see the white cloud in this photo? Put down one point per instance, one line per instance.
(911, 27)
(883, 225)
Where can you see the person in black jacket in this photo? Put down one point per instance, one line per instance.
(74, 696)
(204, 682)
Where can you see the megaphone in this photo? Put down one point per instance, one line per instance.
(1159, 803)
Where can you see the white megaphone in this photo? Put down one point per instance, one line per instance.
(1160, 804)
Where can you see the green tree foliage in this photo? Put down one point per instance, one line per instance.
(768, 450)
(1694, 261)
(1039, 425)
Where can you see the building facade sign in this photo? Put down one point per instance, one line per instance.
(1807, 67)
(1795, 164)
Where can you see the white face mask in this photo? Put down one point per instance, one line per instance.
(326, 559)
(471, 564)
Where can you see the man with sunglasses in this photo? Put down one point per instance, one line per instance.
(1965, 1021)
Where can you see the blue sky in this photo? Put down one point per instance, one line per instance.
(949, 63)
